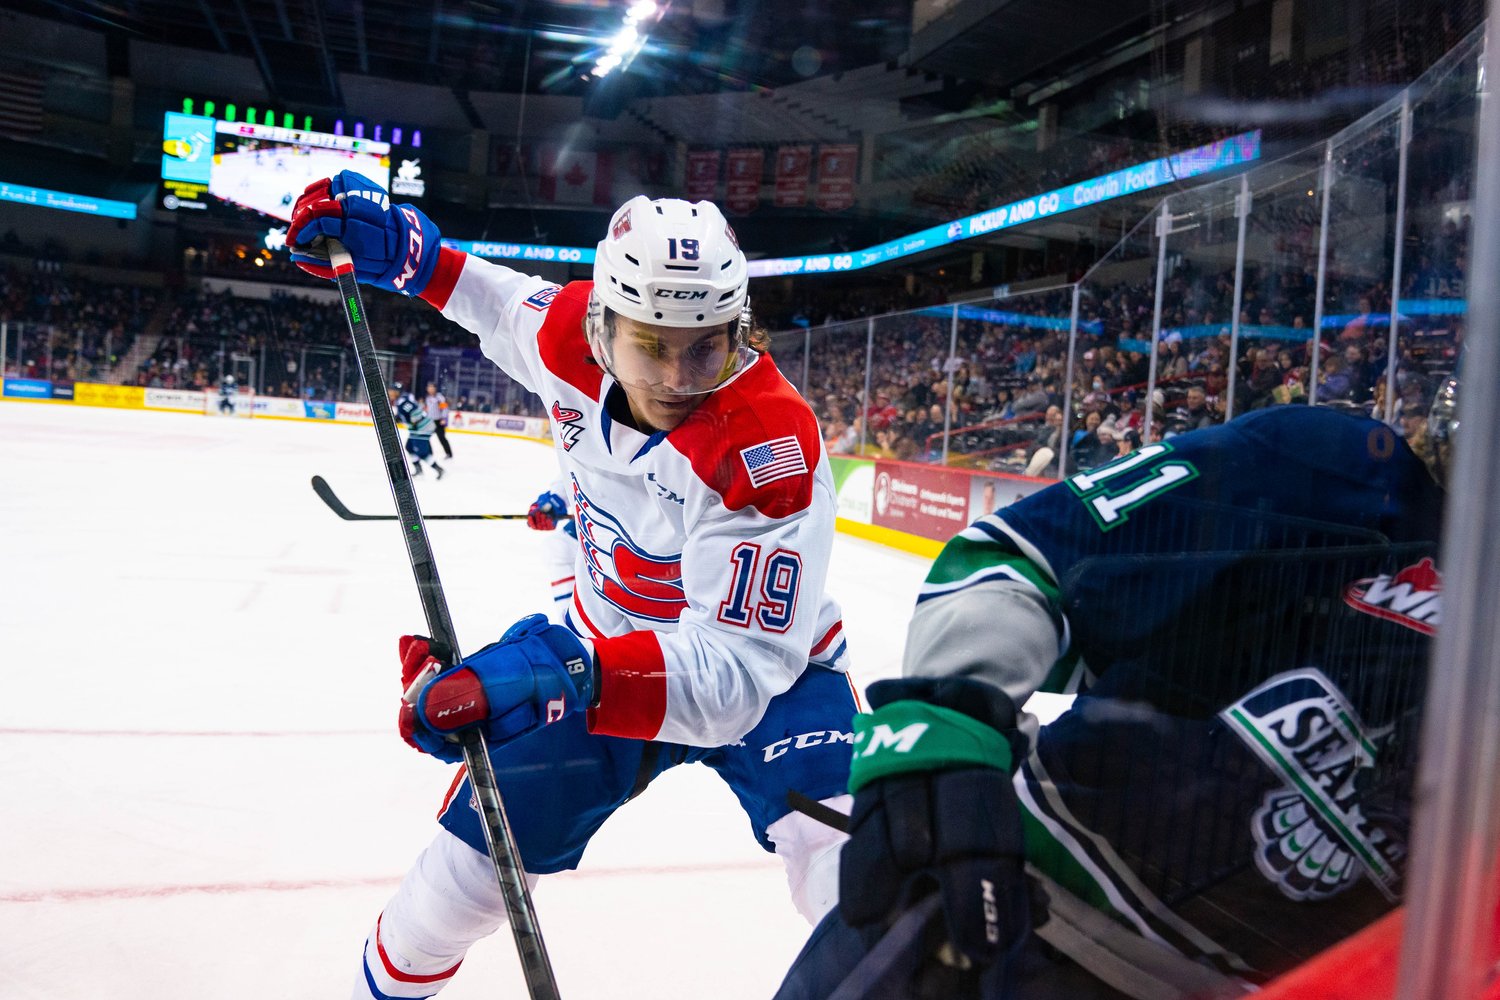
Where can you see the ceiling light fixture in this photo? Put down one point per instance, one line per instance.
(629, 40)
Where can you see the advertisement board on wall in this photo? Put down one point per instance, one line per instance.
(920, 500)
(183, 400)
(27, 388)
(124, 397)
(930, 502)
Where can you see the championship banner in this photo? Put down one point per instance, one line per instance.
(793, 169)
(742, 187)
(836, 170)
(702, 175)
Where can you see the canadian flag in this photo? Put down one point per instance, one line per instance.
(575, 177)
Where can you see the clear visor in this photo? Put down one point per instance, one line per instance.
(673, 361)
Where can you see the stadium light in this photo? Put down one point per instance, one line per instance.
(628, 41)
(229, 112)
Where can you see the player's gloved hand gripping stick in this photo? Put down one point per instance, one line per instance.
(498, 838)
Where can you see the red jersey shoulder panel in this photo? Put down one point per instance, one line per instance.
(755, 442)
(561, 340)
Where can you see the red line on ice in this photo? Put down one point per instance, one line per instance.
(85, 895)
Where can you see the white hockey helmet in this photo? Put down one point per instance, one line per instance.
(671, 263)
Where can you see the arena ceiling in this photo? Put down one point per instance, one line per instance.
(535, 46)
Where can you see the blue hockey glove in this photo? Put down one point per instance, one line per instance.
(935, 812)
(394, 247)
(546, 511)
(536, 674)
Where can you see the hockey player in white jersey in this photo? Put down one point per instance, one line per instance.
(550, 512)
(699, 629)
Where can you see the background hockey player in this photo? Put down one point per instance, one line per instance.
(1247, 611)
(549, 512)
(705, 513)
(436, 406)
(228, 391)
(419, 428)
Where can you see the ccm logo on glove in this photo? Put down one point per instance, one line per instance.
(537, 674)
(413, 247)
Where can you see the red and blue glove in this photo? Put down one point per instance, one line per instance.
(394, 247)
(548, 509)
(535, 675)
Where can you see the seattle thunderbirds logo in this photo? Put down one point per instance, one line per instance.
(1313, 839)
(569, 424)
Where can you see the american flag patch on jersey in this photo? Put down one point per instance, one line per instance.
(773, 460)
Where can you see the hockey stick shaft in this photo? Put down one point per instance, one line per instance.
(504, 856)
(325, 493)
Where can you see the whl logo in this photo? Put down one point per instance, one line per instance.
(569, 424)
(1410, 598)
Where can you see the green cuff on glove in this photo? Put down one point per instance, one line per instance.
(907, 736)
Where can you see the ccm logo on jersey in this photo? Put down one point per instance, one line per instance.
(539, 301)
(820, 738)
(1412, 597)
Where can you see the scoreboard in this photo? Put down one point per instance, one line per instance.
(239, 168)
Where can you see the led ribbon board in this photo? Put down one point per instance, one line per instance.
(62, 200)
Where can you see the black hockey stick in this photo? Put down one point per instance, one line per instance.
(504, 855)
(325, 493)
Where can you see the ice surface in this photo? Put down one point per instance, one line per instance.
(204, 793)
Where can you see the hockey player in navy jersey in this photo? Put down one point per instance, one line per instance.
(419, 428)
(698, 630)
(1244, 613)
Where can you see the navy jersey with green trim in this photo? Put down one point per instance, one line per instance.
(412, 413)
(1250, 607)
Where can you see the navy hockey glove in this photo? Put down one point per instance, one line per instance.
(536, 674)
(935, 812)
(394, 247)
(545, 512)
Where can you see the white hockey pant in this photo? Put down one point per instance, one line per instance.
(450, 899)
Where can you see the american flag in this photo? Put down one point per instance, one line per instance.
(773, 460)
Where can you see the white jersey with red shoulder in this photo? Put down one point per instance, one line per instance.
(703, 551)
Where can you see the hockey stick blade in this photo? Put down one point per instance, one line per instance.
(500, 841)
(325, 493)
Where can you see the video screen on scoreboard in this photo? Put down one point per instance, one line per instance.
(212, 165)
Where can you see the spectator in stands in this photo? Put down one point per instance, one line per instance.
(1034, 399)
(1358, 373)
(1041, 458)
(1333, 383)
(1094, 446)
(1195, 413)
(1293, 387)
